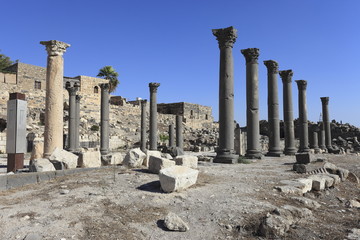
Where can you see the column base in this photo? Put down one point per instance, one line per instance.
(274, 154)
(290, 151)
(226, 157)
(317, 150)
(304, 150)
(253, 154)
(15, 161)
(104, 151)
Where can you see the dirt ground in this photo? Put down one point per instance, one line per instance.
(228, 202)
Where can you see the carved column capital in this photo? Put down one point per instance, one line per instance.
(325, 100)
(301, 84)
(54, 47)
(104, 86)
(286, 75)
(72, 89)
(226, 36)
(78, 98)
(251, 55)
(154, 86)
(272, 66)
(143, 102)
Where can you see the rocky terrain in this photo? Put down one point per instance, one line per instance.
(238, 201)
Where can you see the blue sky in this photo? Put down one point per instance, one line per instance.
(171, 42)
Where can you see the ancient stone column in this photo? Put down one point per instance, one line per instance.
(72, 89)
(77, 140)
(252, 103)
(303, 121)
(226, 38)
(322, 137)
(153, 115)
(179, 132)
(273, 109)
(326, 122)
(54, 101)
(143, 126)
(314, 142)
(104, 119)
(171, 136)
(290, 149)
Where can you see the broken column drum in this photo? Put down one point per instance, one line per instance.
(171, 135)
(303, 121)
(314, 142)
(326, 121)
(54, 100)
(273, 109)
(153, 115)
(179, 132)
(77, 140)
(72, 129)
(252, 103)
(321, 136)
(226, 38)
(286, 76)
(143, 126)
(104, 119)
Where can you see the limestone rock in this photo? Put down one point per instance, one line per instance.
(90, 159)
(303, 184)
(187, 161)
(333, 169)
(38, 151)
(308, 203)
(167, 156)
(304, 158)
(174, 223)
(69, 159)
(352, 204)
(354, 234)
(158, 163)
(318, 182)
(33, 236)
(151, 153)
(41, 165)
(117, 158)
(134, 158)
(177, 178)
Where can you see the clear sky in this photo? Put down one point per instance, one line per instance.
(170, 42)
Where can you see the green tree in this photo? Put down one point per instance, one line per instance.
(5, 62)
(109, 73)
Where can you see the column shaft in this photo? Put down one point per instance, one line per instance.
(77, 140)
(326, 122)
(104, 128)
(143, 126)
(303, 122)
(153, 115)
(273, 109)
(314, 142)
(226, 38)
(179, 132)
(290, 149)
(72, 117)
(171, 136)
(54, 123)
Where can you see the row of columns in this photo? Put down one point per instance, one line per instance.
(226, 38)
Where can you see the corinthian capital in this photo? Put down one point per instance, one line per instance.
(301, 84)
(226, 36)
(104, 86)
(286, 75)
(78, 98)
(272, 66)
(54, 47)
(251, 54)
(153, 86)
(325, 100)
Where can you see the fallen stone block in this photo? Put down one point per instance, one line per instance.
(90, 159)
(117, 158)
(174, 223)
(69, 159)
(289, 190)
(352, 204)
(187, 161)
(308, 203)
(336, 178)
(299, 168)
(304, 158)
(158, 163)
(151, 153)
(303, 184)
(354, 234)
(177, 178)
(333, 169)
(318, 182)
(41, 165)
(166, 155)
(134, 158)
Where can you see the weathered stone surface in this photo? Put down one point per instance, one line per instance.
(69, 159)
(318, 182)
(333, 169)
(89, 159)
(117, 158)
(354, 234)
(151, 153)
(289, 190)
(187, 161)
(304, 158)
(353, 178)
(33, 236)
(41, 165)
(299, 168)
(38, 151)
(166, 155)
(177, 178)
(158, 163)
(308, 203)
(303, 184)
(134, 158)
(174, 223)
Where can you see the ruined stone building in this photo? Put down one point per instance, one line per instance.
(124, 115)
